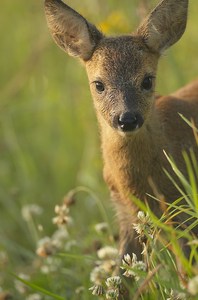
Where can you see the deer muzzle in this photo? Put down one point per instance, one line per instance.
(128, 121)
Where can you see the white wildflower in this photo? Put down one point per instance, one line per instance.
(97, 275)
(30, 210)
(141, 216)
(112, 294)
(101, 227)
(97, 290)
(40, 228)
(132, 266)
(127, 261)
(45, 247)
(20, 286)
(144, 227)
(45, 269)
(34, 297)
(60, 237)
(62, 217)
(109, 265)
(107, 253)
(113, 282)
(193, 286)
(61, 209)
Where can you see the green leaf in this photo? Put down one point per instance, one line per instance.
(39, 289)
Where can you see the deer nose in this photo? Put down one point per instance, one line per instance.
(128, 121)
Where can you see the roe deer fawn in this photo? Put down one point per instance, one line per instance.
(136, 126)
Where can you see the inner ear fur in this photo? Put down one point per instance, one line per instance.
(165, 25)
(71, 32)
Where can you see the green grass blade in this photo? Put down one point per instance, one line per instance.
(179, 174)
(189, 122)
(39, 289)
(194, 162)
(192, 179)
(183, 194)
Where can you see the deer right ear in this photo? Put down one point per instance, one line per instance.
(165, 25)
(70, 30)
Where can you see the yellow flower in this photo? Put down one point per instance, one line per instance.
(115, 22)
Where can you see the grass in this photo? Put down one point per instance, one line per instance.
(49, 145)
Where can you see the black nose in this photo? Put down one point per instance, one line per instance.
(128, 121)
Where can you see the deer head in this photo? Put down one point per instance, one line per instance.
(121, 70)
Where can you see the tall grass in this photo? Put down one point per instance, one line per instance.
(49, 145)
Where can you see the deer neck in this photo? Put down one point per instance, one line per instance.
(129, 160)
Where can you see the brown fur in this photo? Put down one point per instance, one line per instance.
(133, 158)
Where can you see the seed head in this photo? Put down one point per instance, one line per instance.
(113, 282)
(62, 217)
(132, 266)
(97, 290)
(144, 227)
(112, 294)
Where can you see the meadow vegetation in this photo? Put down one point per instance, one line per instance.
(58, 235)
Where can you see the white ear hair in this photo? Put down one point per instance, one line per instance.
(70, 30)
(165, 25)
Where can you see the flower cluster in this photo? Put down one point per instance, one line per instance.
(114, 286)
(50, 245)
(59, 240)
(105, 265)
(112, 289)
(101, 275)
(144, 227)
(101, 227)
(30, 210)
(133, 267)
(63, 217)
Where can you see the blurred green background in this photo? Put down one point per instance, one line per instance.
(49, 140)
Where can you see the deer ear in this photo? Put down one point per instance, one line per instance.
(70, 30)
(165, 25)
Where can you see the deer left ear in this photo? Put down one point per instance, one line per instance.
(165, 25)
(70, 30)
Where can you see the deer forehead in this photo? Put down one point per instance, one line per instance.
(125, 57)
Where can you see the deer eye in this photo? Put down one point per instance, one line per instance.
(99, 86)
(147, 83)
